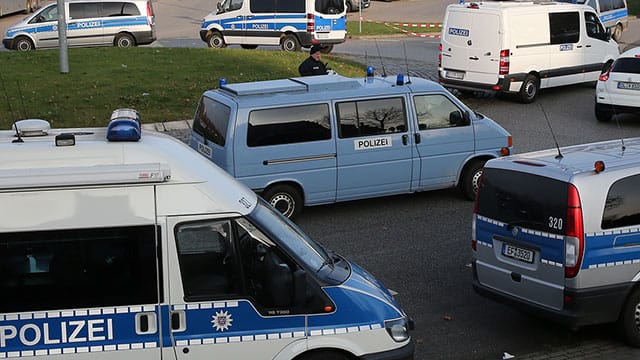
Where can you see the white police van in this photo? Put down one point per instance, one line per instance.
(121, 23)
(557, 233)
(128, 244)
(291, 24)
(321, 139)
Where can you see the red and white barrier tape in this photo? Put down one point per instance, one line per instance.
(398, 25)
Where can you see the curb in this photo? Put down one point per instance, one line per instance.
(169, 126)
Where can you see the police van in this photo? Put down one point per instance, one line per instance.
(321, 139)
(127, 244)
(557, 233)
(520, 47)
(614, 14)
(122, 23)
(291, 24)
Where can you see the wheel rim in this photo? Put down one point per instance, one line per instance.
(530, 89)
(124, 42)
(216, 41)
(283, 203)
(23, 45)
(636, 317)
(475, 181)
(288, 44)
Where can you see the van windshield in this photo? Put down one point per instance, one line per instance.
(313, 256)
(524, 200)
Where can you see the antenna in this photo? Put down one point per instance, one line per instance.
(6, 96)
(559, 156)
(384, 72)
(613, 109)
(406, 62)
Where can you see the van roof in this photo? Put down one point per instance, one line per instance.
(93, 161)
(575, 160)
(517, 5)
(313, 88)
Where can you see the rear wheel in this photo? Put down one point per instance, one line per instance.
(249, 47)
(629, 322)
(601, 114)
(124, 40)
(285, 198)
(470, 179)
(290, 43)
(216, 40)
(529, 89)
(23, 43)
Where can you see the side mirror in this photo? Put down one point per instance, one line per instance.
(457, 118)
(607, 35)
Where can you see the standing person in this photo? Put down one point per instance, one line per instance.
(312, 65)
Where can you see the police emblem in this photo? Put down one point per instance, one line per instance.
(221, 321)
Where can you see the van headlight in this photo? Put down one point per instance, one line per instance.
(397, 329)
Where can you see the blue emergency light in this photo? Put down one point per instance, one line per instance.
(369, 70)
(123, 130)
(222, 81)
(400, 79)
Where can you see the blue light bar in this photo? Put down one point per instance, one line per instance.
(400, 79)
(123, 129)
(369, 70)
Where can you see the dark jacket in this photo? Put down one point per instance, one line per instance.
(312, 67)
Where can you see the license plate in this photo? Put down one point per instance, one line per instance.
(628, 85)
(458, 75)
(517, 253)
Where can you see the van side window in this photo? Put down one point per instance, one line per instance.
(371, 117)
(289, 125)
(617, 4)
(564, 27)
(49, 14)
(119, 9)
(212, 120)
(594, 28)
(437, 112)
(84, 10)
(231, 258)
(622, 207)
(277, 6)
(65, 269)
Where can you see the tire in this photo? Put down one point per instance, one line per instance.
(290, 42)
(325, 49)
(351, 7)
(285, 198)
(23, 43)
(324, 355)
(124, 40)
(470, 179)
(216, 41)
(602, 115)
(616, 34)
(529, 89)
(629, 321)
(248, 47)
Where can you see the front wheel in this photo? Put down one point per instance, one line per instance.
(470, 179)
(216, 40)
(529, 89)
(602, 115)
(124, 40)
(290, 43)
(629, 322)
(23, 43)
(284, 198)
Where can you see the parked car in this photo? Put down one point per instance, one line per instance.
(618, 89)
(354, 5)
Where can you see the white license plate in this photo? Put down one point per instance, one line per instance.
(322, 35)
(458, 75)
(628, 85)
(517, 253)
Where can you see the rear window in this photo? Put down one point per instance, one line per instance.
(627, 65)
(623, 203)
(212, 120)
(524, 200)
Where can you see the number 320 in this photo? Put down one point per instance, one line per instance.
(555, 223)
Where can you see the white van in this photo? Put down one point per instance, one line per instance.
(123, 244)
(121, 23)
(522, 47)
(291, 24)
(556, 232)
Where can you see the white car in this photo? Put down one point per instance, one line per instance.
(618, 89)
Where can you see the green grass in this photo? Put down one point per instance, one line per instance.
(163, 84)
(372, 29)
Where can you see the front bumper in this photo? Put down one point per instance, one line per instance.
(403, 353)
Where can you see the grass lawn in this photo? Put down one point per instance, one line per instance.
(163, 84)
(634, 7)
(371, 29)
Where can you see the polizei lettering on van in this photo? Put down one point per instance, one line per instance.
(380, 142)
(65, 332)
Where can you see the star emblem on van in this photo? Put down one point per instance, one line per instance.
(221, 321)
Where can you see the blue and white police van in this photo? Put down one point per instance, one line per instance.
(291, 24)
(122, 243)
(614, 14)
(122, 23)
(321, 139)
(557, 233)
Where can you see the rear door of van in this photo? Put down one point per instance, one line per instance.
(520, 226)
(471, 45)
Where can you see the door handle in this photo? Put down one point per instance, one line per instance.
(579, 46)
(146, 323)
(474, 58)
(405, 139)
(178, 321)
(417, 138)
(588, 45)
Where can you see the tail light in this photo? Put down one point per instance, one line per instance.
(504, 62)
(574, 240)
(605, 75)
(440, 55)
(311, 23)
(149, 13)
